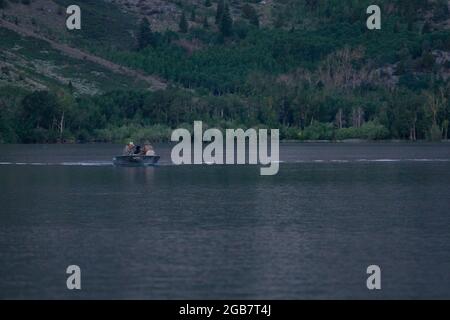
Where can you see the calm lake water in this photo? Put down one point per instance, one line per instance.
(223, 232)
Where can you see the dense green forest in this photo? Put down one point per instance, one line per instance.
(308, 67)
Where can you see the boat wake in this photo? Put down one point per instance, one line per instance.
(75, 164)
(165, 164)
(368, 160)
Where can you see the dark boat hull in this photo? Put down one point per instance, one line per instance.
(136, 161)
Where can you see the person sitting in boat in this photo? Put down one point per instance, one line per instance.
(130, 149)
(148, 150)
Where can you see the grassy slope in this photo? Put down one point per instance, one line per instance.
(35, 61)
(33, 64)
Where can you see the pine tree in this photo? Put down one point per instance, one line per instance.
(426, 27)
(70, 87)
(397, 27)
(279, 21)
(145, 36)
(220, 11)
(205, 22)
(208, 3)
(226, 24)
(250, 13)
(255, 20)
(2, 4)
(311, 4)
(184, 26)
(193, 15)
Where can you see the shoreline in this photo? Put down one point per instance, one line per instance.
(356, 141)
(286, 141)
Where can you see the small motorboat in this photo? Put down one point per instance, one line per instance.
(136, 161)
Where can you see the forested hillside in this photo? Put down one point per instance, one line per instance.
(309, 67)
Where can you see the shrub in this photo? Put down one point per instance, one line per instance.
(435, 133)
(347, 133)
(370, 131)
(318, 131)
(155, 133)
(374, 131)
(289, 133)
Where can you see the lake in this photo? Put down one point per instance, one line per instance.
(225, 232)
